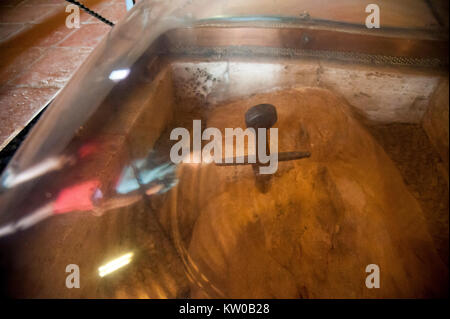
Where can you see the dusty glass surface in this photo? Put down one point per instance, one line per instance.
(95, 186)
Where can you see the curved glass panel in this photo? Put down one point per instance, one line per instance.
(211, 149)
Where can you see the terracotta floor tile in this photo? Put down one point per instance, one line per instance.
(15, 61)
(38, 54)
(45, 34)
(11, 3)
(54, 69)
(89, 35)
(49, 31)
(26, 14)
(45, 2)
(95, 5)
(9, 29)
(114, 12)
(17, 106)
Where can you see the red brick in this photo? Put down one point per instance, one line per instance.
(54, 69)
(45, 34)
(45, 2)
(114, 12)
(17, 107)
(95, 5)
(26, 14)
(7, 30)
(11, 3)
(88, 35)
(32, 69)
(15, 61)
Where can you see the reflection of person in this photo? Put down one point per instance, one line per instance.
(146, 172)
(143, 177)
(51, 164)
(79, 197)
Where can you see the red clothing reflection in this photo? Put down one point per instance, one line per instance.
(76, 198)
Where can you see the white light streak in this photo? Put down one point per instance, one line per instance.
(118, 75)
(115, 264)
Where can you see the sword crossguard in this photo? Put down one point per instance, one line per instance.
(263, 116)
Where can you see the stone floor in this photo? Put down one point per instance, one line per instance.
(39, 54)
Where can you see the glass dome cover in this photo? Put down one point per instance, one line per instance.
(96, 185)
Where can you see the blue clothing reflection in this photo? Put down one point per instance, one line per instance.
(163, 174)
(145, 173)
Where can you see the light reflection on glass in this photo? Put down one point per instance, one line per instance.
(115, 264)
(118, 75)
